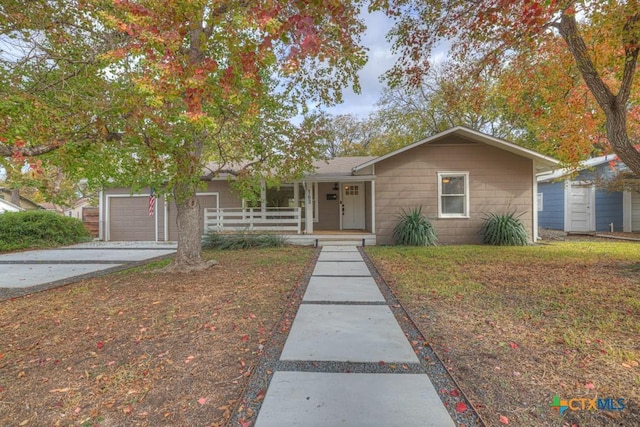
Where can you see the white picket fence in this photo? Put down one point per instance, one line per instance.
(253, 219)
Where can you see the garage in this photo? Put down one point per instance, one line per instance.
(129, 220)
(127, 217)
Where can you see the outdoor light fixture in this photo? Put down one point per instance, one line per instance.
(335, 187)
(445, 180)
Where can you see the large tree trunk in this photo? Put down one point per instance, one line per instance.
(188, 256)
(613, 105)
(619, 138)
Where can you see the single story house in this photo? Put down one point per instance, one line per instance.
(25, 203)
(6, 206)
(576, 203)
(457, 176)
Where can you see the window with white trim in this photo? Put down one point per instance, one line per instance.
(453, 194)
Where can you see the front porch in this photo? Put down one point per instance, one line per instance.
(287, 222)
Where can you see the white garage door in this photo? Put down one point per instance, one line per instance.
(129, 219)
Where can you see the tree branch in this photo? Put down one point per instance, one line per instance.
(569, 31)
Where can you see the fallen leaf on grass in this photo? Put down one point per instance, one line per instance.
(99, 344)
(455, 392)
(245, 337)
(590, 386)
(202, 400)
(461, 407)
(504, 420)
(513, 345)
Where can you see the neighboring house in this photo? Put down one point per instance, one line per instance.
(76, 211)
(576, 203)
(6, 206)
(457, 176)
(26, 204)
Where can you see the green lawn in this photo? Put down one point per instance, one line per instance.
(518, 325)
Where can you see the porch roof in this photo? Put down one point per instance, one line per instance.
(340, 168)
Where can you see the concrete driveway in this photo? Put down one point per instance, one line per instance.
(31, 271)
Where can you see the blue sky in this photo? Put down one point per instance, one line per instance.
(380, 60)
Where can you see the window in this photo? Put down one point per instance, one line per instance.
(351, 190)
(453, 194)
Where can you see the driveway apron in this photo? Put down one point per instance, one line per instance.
(345, 318)
(30, 271)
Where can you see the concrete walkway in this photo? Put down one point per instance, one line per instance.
(344, 318)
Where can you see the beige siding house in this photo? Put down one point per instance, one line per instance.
(457, 177)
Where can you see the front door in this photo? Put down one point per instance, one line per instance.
(353, 206)
(581, 206)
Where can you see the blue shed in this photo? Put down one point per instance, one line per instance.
(576, 204)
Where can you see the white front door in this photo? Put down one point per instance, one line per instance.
(353, 206)
(581, 207)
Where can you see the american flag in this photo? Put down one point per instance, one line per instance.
(152, 203)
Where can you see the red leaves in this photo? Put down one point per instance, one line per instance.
(504, 420)
(99, 344)
(513, 345)
(455, 392)
(590, 386)
(461, 407)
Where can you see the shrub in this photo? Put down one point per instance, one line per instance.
(414, 229)
(39, 229)
(242, 241)
(504, 230)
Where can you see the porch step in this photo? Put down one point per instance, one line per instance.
(332, 240)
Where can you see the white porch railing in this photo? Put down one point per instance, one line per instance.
(253, 219)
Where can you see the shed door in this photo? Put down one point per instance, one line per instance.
(581, 208)
(129, 219)
(353, 206)
(635, 211)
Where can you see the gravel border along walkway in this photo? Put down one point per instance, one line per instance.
(248, 405)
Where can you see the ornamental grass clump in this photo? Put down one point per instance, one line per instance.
(414, 229)
(242, 241)
(504, 230)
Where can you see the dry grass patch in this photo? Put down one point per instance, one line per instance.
(142, 348)
(518, 325)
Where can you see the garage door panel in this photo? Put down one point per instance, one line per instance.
(129, 219)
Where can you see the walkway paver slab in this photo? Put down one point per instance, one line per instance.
(332, 399)
(337, 268)
(27, 275)
(330, 248)
(339, 256)
(348, 333)
(343, 289)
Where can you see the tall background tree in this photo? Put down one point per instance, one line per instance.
(602, 39)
